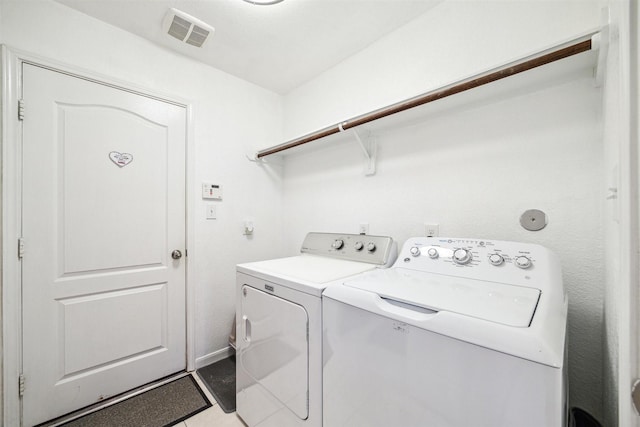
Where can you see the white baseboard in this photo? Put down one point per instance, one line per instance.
(210, 358)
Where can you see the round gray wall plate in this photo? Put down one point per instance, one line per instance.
(533, 220)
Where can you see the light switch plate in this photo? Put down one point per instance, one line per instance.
(211, 212)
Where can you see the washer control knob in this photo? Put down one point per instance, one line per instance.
(337, 244)
(414, 251)
(371, 247)
(433, 253)
(496, 259)
(358, 246)
(462, 256)
(523, 262)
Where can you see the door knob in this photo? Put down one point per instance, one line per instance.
(176, 254)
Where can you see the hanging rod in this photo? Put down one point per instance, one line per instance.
(571, 48)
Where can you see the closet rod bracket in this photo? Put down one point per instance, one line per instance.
(253, 158)
(369, 148)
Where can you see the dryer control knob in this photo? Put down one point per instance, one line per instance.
(462, 256)
(414, 251)
(371, 247)
(496, 259)
(358, 246)
(433, 253)
(337, 244)
(523, 262)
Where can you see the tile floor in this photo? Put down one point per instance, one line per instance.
(212, 417)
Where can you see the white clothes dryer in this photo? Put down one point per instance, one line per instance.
(279, 324)
(458, 333)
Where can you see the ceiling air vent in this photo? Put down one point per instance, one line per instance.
(186, 28)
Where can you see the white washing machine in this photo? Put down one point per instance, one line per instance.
(458, 333)
(279, 325)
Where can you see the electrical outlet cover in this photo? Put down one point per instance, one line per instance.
(431, 230)
(363, 228)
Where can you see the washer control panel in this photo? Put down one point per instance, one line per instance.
(380, 250)
(480, 259)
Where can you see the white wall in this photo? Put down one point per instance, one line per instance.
(614, 308)
(454, 40)
(222, 104)
(621, 220)
(472, 168)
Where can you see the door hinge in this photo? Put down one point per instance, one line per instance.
(21, 385)
(20, 248)
(635, 395)
(20, 109)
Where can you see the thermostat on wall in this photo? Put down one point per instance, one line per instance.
(211, 191)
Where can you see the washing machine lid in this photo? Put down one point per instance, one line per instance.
(506, 304)
(308, 273)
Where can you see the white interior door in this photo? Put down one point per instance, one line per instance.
(103, 209)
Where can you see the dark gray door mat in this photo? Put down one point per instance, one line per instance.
(220, 379)
(162, 406)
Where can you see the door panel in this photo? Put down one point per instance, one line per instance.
(103, 207)
(144, 307)
(129, 202)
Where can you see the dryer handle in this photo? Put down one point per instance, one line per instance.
(246, 328)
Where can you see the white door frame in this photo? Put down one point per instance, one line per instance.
(10, 267)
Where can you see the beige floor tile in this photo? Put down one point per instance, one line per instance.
(214, 416)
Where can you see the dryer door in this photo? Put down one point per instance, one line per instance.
(273, 350)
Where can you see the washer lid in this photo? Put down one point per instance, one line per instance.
(510, 305)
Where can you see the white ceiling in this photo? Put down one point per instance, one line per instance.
(278, 47)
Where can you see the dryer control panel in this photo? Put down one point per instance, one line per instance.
(492, 260)
(379, 250)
